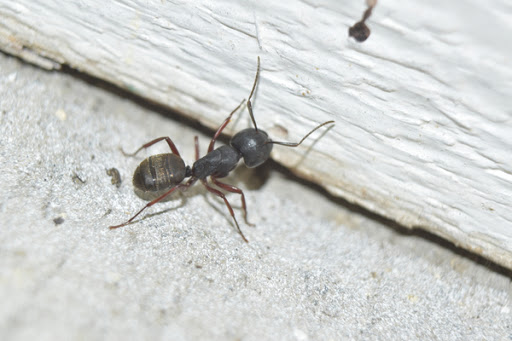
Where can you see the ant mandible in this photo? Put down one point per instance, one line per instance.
(166, 172)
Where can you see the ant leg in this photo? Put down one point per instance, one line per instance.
(169, 192)
(148, 205)
(295, 144)
(149, 144)
(222, 126)
(220, 194)
(233, 189)
(196, 143)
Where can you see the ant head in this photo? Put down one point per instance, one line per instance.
(254, 145)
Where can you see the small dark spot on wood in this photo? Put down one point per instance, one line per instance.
(360, 32)
(279, 130)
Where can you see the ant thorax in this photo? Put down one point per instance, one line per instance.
(217, 163)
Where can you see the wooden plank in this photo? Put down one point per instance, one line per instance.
(422, 108)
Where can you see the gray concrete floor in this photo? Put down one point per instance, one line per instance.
(314, 269)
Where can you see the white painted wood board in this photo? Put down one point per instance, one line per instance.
(423, 108)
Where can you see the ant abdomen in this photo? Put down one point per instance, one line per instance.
(159, 172)
(254, 145)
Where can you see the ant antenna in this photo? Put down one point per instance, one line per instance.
(295, 144)
(249, 104)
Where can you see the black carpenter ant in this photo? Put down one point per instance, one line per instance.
(164, 173)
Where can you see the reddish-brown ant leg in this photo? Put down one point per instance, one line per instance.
(222, 126)
(183, 187)
(196, 143)
(220, 194)
(233, 189)
(149, 144)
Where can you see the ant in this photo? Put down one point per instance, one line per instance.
(166, 172)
